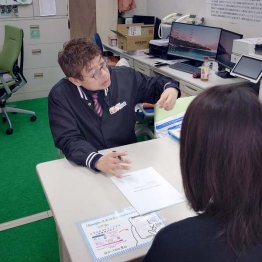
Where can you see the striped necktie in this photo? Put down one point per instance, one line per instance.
(97, 105)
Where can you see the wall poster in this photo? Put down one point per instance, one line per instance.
(236, 10)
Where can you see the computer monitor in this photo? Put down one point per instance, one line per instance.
(224, 51)
(193, 41)
(249, 68)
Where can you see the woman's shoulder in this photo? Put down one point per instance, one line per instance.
(191, 239)
(200, 222)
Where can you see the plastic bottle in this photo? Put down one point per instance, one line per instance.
(205, 69)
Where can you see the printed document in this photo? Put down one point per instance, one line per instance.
(47, 7)
(119, 232)
(147, 190)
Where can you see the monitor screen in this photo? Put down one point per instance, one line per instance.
(193, 41)
(249, 68)
(224, 50)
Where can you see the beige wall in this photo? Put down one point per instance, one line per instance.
(199, 7)
(106, 17)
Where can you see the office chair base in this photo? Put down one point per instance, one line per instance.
(18, 110)
(9, 131)
(5, 116)
(33, 118)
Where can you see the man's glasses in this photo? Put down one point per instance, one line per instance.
(97, 72)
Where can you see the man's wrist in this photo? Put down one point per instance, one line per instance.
(94, 161)
(173, 85)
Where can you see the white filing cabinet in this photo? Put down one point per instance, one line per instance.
(188, 89)
(41, 68)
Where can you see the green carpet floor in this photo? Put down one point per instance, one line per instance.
(21, 192)
(35, 242)
(31, 143)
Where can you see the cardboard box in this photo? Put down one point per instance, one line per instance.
(131, 37)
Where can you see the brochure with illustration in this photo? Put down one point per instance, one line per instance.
(119, 232)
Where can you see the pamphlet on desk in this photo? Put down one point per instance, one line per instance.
(147, 190)
(119, 232)
(169, 126)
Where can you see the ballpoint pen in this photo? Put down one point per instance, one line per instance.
(119, 157)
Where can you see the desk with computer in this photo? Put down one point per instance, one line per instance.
(235, 57)
(187, 46)
(195, 43)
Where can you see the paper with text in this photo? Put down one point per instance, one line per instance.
(47, 7)
(119, 232)
(147, 190)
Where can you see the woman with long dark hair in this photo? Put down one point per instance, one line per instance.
(221, 166)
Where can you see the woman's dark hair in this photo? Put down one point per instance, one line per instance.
(221, 161)
(77, 54)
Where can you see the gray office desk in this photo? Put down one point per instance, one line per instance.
(76, 194)
(189, 86)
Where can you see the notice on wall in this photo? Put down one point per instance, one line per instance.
(236, 10)
(15, 2)
(47, 7)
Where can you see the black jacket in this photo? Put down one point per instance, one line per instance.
(197, 239)
(79, 132)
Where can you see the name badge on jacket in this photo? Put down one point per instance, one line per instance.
(117, 107)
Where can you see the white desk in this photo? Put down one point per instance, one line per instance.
(188, 85)
(76, 194)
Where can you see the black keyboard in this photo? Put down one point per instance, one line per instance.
(186, 68)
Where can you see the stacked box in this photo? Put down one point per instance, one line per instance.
(131, 37)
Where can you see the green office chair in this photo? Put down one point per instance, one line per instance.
(11, 74)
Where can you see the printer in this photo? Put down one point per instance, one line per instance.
(246, 46)
(158, 48)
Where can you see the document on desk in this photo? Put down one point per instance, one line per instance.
(147, 190)
(119, 232)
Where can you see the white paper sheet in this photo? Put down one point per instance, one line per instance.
(119, 232)
(147, 190)
(47, 7)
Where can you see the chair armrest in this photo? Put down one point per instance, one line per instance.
(5, 86)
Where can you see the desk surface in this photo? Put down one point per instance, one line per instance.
(178, 75)
(77, 194)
